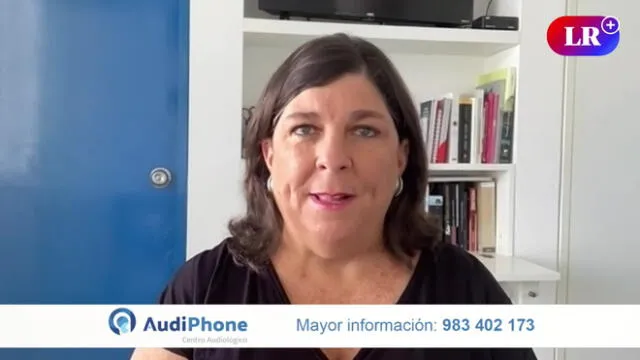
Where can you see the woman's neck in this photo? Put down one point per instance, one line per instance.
(362, 275)
(332, 258)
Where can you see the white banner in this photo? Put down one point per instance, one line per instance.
(104, 326)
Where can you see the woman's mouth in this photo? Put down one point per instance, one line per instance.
(332, 201)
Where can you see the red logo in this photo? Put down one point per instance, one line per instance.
(584, 35)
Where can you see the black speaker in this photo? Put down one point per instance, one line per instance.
(450, 13)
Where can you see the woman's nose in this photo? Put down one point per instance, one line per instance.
(333, 153)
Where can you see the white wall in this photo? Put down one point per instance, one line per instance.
(215, 102)
(603, 243)
(538, 138)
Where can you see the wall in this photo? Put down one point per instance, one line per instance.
(538, 145)
(603, 189)
(215, 102)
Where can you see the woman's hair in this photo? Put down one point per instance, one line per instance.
(407, 226)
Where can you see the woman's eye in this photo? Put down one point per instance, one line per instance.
(303, 130)
(366, 132)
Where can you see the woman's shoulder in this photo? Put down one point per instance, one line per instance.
(447, 256)
(201, 275)
(463, 277)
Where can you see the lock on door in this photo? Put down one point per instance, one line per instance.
(160, 177)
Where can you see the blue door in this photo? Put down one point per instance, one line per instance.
(93, 98)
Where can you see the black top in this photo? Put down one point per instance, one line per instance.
(448, 275)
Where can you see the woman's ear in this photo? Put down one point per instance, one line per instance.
(403, 155)
(267, 152)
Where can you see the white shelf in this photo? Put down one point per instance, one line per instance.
(513, 269)
(406, 39)
(479, 170)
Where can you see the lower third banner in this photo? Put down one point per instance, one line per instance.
(263, 326)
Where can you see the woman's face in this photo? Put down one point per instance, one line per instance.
(335, 159)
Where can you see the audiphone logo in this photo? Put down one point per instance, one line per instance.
(122, 321)
(584, 35)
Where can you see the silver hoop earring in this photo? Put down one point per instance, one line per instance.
(269, 184)
(399, 186)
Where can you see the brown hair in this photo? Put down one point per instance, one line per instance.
(318, 62)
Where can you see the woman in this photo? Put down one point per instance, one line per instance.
(335, 183)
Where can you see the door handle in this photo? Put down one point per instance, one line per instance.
(160, 177)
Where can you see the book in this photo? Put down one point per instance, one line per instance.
(499, 91)
(467, 212)
(472, 127)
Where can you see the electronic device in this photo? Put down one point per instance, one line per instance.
(496, 23)
(445, 13)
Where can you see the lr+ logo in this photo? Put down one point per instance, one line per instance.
(584, 35)
(122, 321)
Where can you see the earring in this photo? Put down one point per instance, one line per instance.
(399, 186)
(269, 184)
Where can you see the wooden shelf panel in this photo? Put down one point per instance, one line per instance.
(405, 39)
(476, 170)
(513, 269)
